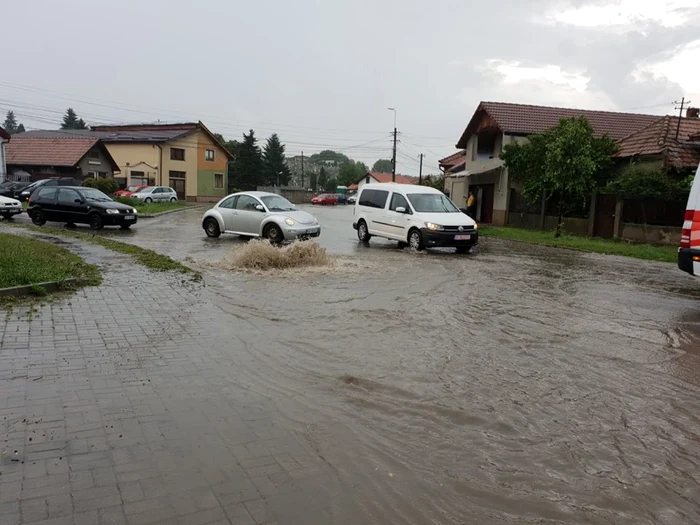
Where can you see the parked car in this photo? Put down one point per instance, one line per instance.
(155, 194)
(417, 216)
(23, 193)
(130, 190)
(9, 207)
(342, 198)
(79, 205)
(689, 251)
(325, 199)
(260, 214)
(352, 199)
(7, 188)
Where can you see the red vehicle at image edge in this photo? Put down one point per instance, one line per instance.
(689, 252)
(325, 198)
(130, 190)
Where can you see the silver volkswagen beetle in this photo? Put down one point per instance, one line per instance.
(260, 214)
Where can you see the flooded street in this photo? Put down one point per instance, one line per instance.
(516, 384)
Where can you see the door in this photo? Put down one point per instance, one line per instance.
(247, 217)
(376, 201)
(604, 221)
(395, 223)
(46, 201)
(179, 186)
(227, 209)
(70, 206)
(484, 203)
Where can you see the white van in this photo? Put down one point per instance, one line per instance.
(417, 216)
(689, 252)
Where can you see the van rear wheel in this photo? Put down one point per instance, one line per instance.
(362, 233)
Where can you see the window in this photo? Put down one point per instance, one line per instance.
(46, 193)
(93, 154)
(398, 201)
(138, 175)
(158, 190)
(218, 180)
(374, 198)
(177, 154)
(92, 174)
(177, 174)
(66, 196)
(229, 203)
(246, 202)
(209, 155)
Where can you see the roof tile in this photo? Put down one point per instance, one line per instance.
(660, 138)
(57, 151)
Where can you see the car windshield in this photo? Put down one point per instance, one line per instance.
(277, 203)
(431, 203)
(91, 194)
(133, 189)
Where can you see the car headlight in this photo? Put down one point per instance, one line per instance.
(476, 226)
(112, 211)
(289, 221)
(134, 211)
(433, 226)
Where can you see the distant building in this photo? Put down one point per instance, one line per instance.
(372, 176)
(4, 137)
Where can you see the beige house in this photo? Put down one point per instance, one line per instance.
(478, 166)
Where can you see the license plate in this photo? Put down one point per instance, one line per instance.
(309, 232)
(462, 237)
(128, 217)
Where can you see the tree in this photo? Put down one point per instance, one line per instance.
(567, 160)
(71, 121)
(329, 156)
(383, 166)
(351, 173)
(332, 184)
(637, 182)
(274, 165)
(107, 185)
(313, 181)
(322, 179)
(246, 170)
(10, 125)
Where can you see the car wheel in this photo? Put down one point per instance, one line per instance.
(273, 233)
(148, 200)
(96, 222)
(173, 199)
(38, 218)
(125, 226)
(362, 233)
(70, 225)
(7, 216)
(415, 240)
(463, 249)
(211, 227)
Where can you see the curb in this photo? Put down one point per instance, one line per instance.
(156, 215)
(26, 289)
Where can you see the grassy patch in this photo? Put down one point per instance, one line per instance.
(151, 208)
(148, 258)
(28, 261)
(648, 252)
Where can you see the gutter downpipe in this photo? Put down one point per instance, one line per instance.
(160, 166)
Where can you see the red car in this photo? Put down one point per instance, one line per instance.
(130, 190)
(325, 198)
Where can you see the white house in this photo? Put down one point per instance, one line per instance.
(373, 176)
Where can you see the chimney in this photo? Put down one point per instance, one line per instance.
(692, 113)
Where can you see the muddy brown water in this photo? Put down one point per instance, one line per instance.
(518, 384)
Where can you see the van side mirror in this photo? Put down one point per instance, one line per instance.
(400, 209)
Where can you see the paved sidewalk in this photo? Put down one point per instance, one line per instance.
(120, 405)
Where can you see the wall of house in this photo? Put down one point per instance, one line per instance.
(128, 155)
(100, 165)
(364, 181)
(189, 165)
(206, 170)
(3, 168)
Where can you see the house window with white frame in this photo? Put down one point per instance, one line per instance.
(218, 181)
(209, 155)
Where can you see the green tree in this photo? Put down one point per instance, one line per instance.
(107, 185)
(322, 179)
(10, 125)
(71, 121)
(351, 173)
(566, 160)
(274, 165)
(330, 156)
(382, 166)
(635, 182)
(313, 181)
(332, 184)
(246, 170)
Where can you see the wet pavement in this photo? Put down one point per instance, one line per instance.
(516, 384)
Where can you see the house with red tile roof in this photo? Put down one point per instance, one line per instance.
(496, 124)
(48, 156)
(4, 137)
(373, 176)
(670, 142)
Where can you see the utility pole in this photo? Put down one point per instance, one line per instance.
(420, 172)
(393, 155)
(680, 115)
(302, 170)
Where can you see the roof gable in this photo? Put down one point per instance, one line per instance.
(660, 139)
(4, 134)
(523, 119)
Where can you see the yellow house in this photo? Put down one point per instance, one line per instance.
(187, 157)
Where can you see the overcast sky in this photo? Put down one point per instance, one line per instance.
(323, 73)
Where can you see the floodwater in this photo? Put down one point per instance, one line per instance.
(516, 384)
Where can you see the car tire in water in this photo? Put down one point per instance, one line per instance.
(362, 232)
(148, 200)
(96, 222)
(70, 225)
(125, 226)
(463, 249)
(38, 218)
(415, 240)
(7, 217)
(273, 233)
(211, 227)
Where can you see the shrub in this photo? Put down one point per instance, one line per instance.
(108, 186)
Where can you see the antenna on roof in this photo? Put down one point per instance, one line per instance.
(680, 115)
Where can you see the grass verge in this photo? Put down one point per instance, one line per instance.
(28, 261)
(151, 208)
(148, 258)
(647, 252)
